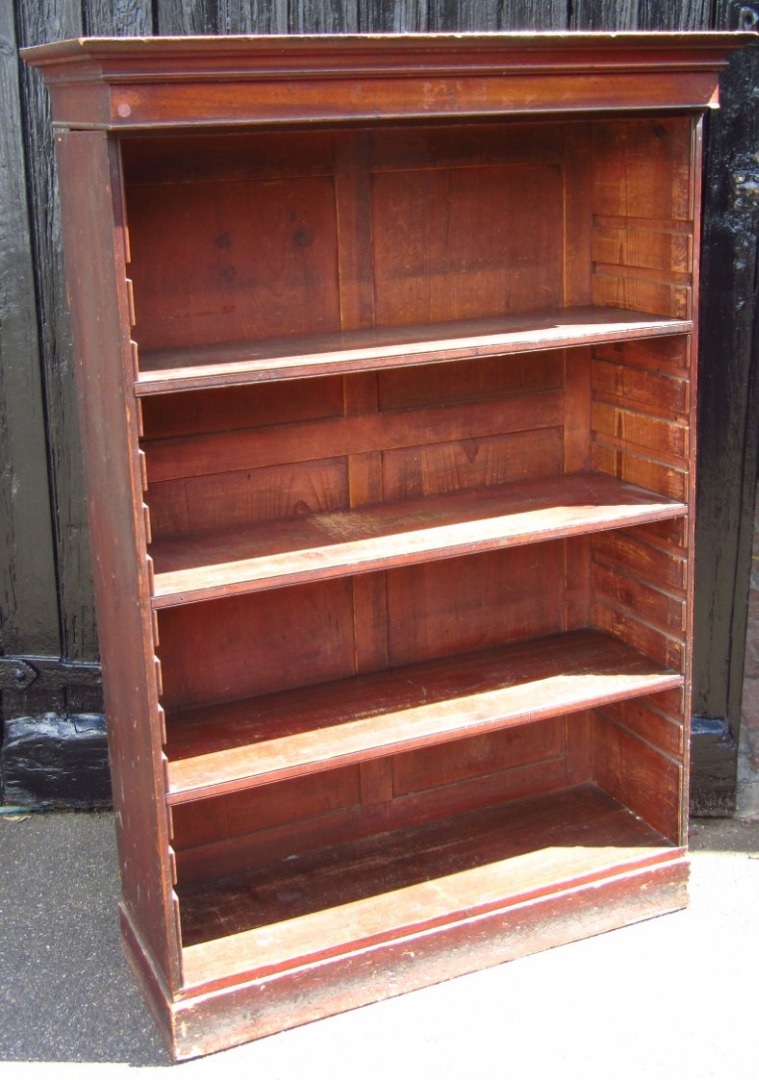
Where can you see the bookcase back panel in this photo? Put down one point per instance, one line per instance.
(241, 646)
(359, 433)
(461, 243)
(282, 453)
(265, 809)
(473, 462)
(224, 261)
(473, 380)
(171, 158)
(350, 230)
(462, 605)
(167, 416)
(218, 500)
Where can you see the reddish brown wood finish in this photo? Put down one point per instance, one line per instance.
(90, 195)
(391, 496)
(224, 748)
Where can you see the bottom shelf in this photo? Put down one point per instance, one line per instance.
(304, 909)
(318, 934)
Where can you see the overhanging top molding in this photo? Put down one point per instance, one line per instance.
(192, 81)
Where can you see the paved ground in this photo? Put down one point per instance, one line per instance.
(671, 998)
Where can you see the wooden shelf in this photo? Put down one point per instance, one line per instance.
(165, 371)
(224, 748)
(297, 550)
(328, 902)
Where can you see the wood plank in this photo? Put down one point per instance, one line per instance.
(646, 391)
(473, 379)
(167, 416)
(653, 564)
(408, 881)
(95, 262)
(36, 23)
(28, 586)
(664, 356)
(415, 472)
(245, 743)
(468, 242)
(642, 169)
(633, 15)
(174, 17)
(659, 609)
(245, 645)
(514, 748)
(666, 649)
(638, 432)
(646, 719)
(114, 18)
(666, 479)
(314, 440)
(162, 371)
(401, 17)
(618, 289)
(322, 546)
(205, 503)
(233, 260)
(456, 606)
(216, 822)
(650, 781)
(620, 244)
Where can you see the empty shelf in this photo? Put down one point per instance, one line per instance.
(297, 550)
(227, 747)
(195, 367)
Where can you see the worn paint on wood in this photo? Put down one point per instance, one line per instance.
(29, 548)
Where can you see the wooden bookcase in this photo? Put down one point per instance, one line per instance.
(386, 356)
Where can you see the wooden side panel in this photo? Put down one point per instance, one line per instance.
(644, 241)
(646, 779)
(644, 216)
(95, 262)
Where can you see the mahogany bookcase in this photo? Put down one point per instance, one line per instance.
(386, 362)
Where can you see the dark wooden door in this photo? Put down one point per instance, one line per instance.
(54, 735)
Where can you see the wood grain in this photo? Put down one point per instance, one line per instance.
(300, 549)
(27, 570)
(163, 371)
(259, 741)
(466, 860)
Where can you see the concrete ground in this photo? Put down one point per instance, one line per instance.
(673, 997)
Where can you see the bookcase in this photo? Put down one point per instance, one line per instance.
(386, 357)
